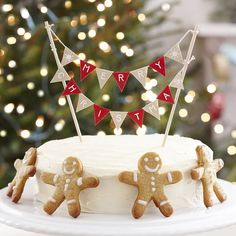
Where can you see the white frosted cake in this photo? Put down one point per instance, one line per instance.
(107, 156)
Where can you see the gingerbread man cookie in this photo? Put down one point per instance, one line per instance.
(68, 186)
(24, 169)
(206, 172)
(150, 184)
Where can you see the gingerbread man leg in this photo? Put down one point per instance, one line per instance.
(72, 199)
(163, 204)
(140, 205)
(219, 192)
(55, 201)
(18, 189)
(11, 187)
(208, 192)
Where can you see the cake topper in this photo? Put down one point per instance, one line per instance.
(121, 78)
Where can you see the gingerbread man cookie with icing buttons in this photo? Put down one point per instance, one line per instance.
(68, 186)
(206, 172)
(24, 169)
(150, 183)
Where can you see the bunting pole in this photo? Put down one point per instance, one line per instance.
(185, 67)
(54, 50)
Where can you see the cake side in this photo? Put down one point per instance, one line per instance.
(107, 156)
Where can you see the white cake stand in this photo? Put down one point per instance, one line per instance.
(28, 215)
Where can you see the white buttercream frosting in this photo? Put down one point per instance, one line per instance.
(107, 156)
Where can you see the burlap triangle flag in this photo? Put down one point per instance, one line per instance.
(178, 80)
(68, 57)
(140, 74)
(175, 54)
(83, 102)
(61, 75)
(103, 76)
(153, 109)
(118, 117)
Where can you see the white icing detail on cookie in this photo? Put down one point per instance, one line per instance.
(153, 189)
(157, 158)
(152, 183)
(69, 172)
(152, 178)
(151, 170)
(169, 177)
(164, 202)
(135, 176)
(142, 202)
(67, 181)
(71, 201)
(146, 159)
(66, 187)
(200, 172)
(55, 178)
(221, 163)
(79, 181)
(52, 200)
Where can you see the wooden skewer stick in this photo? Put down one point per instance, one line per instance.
(185, 67)
(54, 50)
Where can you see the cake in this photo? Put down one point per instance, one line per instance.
(107, 156)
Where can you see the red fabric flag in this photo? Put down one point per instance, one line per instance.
(85, 69)
(71, 88)
(159, 65)
(121, 79)
(99, 113)
(137, 116)
(166, 95)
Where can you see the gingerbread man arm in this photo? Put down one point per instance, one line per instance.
(218, 164)
(197, 173)
(50, 178)
(128, 177)
(18, 164)
(87, 182)
(171, 177)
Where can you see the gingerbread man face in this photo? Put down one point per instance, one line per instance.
(150, 163)
(72, 166)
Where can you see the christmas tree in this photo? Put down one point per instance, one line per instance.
(111, 34)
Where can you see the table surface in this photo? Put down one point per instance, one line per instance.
(5, 230)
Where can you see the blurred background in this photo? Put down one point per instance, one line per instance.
(116, 35)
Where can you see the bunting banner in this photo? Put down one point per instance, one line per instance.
(175, 54)
(166, 95)
(83, 102)
(178, 81)
(60, 76)
(121, 79)
(71, 88)
(85, 69)
(68, 56)
(159, 65)
(153, 109)
(99, 113)
(103, 76)
(140, 74)
(118, 117)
